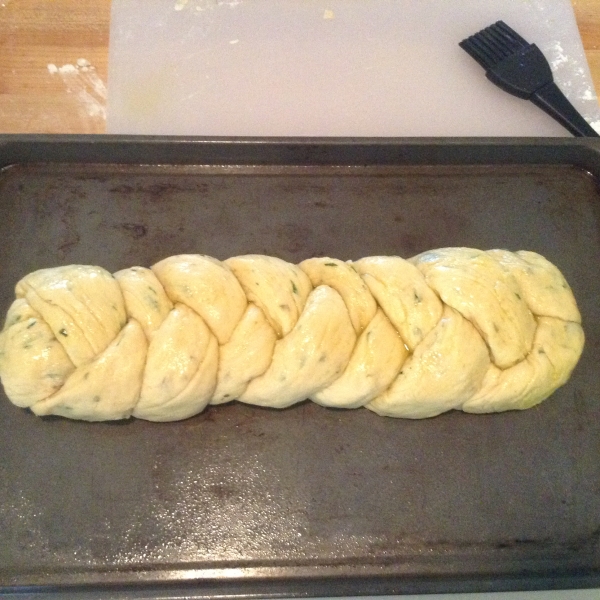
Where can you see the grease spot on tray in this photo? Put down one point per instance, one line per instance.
(220, 513)
(135, 230)
(294, 236)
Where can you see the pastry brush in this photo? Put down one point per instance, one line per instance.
(521, 69)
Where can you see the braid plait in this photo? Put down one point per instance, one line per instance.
(453, 328)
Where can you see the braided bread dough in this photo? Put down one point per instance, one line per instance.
(454, 328)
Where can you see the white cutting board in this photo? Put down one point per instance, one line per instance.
(330, 68)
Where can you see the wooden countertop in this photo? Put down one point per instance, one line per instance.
(36, 33)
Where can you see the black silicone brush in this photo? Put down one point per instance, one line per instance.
(521, 69)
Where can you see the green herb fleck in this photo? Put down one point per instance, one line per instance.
(153, 302)
(31, 324)
(63, 331)
(518, 295)
(294, 288)
(330, 264)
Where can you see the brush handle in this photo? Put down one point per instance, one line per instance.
(551, 100)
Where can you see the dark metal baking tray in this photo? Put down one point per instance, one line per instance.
(244, 501)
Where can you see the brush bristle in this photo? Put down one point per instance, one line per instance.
(493, 44)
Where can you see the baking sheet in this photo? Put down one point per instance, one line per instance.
(306, 501)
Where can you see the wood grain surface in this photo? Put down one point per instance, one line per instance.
(38, 33)
(587, 13)
(35, 33)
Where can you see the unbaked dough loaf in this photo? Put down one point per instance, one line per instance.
(454, 328)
